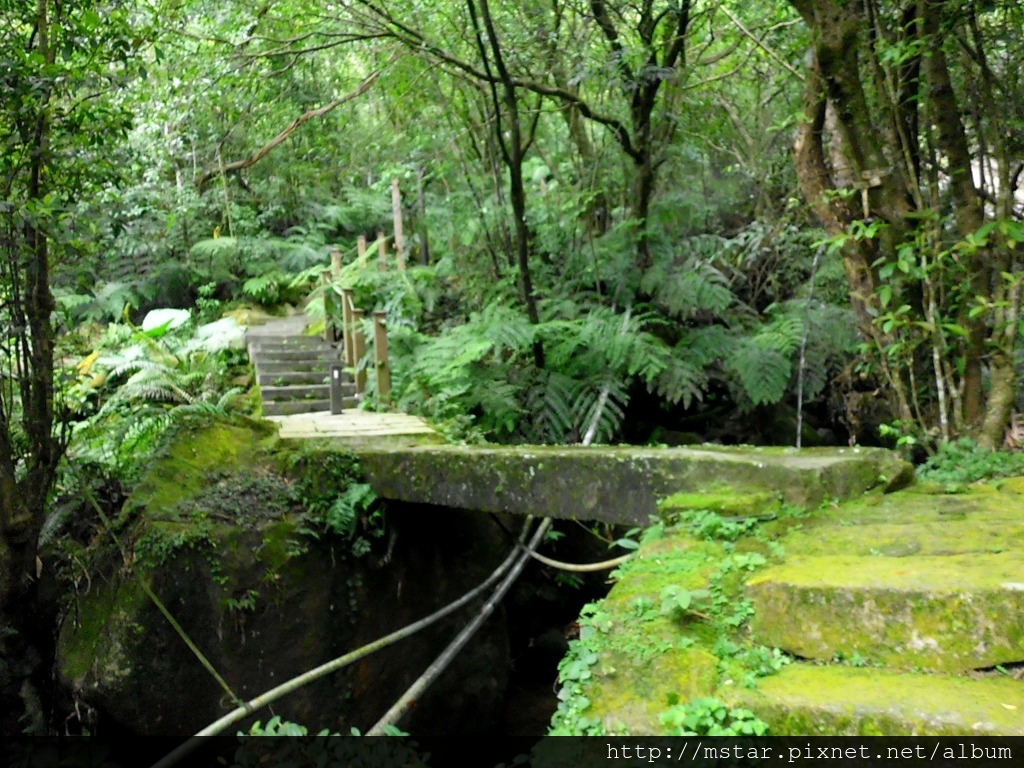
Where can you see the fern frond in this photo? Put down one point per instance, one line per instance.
(695, 286)
(763, 372)
(215, 248)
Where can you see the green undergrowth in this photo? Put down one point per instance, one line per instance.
(220, 489)
(660, 654)
(963, 461)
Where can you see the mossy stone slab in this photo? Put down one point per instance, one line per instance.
(805, 700)
(946, 613)
(618, 484)
(911, 507)
(901, 540)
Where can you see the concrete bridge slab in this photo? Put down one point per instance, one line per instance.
(620, 485)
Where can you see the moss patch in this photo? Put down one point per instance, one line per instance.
(950, 613)
(840, 701)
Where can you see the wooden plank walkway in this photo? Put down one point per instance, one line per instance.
(351, 424)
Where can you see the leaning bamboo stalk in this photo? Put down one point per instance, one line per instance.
(325, 282)
(380, 355)
(359, 348)
(396, 213)
(382, 252)
(346, 328)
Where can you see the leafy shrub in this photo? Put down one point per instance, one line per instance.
(711, 717)
(964, 461)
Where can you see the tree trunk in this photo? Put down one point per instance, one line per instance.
(26, 477)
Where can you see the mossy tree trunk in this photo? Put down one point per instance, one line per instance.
(29, 449)
(936, 299)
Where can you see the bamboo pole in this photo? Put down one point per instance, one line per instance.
(380, 355)
(422, 204)
(359, 348)
(396, 213)
(382, 252)
(325, 281)
(347, 329)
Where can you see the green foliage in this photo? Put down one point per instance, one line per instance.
(329, 486)
(711, 717)
(324, 750)
(135, 386)
(964, 461)
(689, 289)
(678, 601)
(571, 718)
(707, 524)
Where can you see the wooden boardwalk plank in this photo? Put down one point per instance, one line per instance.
(354, 424)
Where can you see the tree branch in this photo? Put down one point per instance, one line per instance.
(266, 149)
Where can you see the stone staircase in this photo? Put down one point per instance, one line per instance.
(902, 614)
(293, 369)
(924, 594)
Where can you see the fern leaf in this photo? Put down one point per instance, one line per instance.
(763, 372)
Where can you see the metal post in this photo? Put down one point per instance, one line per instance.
(337, 370)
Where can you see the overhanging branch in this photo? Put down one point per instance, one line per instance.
(266, 149)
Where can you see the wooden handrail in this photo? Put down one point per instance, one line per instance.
(353, 335)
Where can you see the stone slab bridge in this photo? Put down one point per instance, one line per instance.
(403, 460)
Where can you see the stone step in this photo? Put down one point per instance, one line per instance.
(955, 537)
(325, 355)
(286, 378)
(918, 506)
(290, 341)
(257, 349)
(300, 392)
(289, 407)
(805, 700)
(304, 392)
(297, 366)
(947, 613)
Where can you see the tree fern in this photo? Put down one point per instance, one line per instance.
(688, 289)
(762, 371)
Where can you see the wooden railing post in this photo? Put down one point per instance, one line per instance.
(359, 348)
(380, 355)
(347, 329)
(361, 246)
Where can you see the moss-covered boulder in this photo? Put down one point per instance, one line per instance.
(228, 530)
(620, 485)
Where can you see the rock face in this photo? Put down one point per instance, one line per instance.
(218, 531)
(620, 485)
